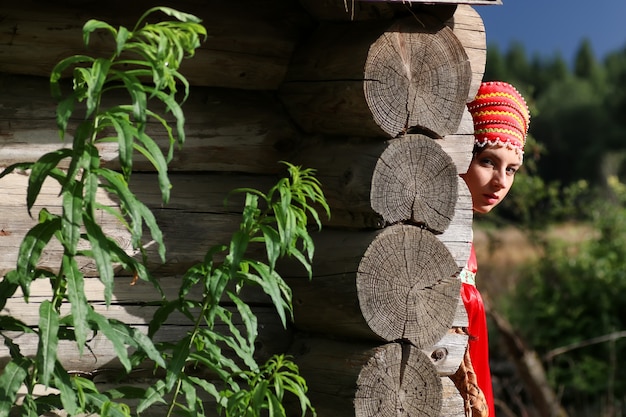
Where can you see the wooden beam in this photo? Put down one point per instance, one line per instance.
(249, 42)
(379, 79)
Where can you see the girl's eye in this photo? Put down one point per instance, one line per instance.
(486, 161)
(511, 170)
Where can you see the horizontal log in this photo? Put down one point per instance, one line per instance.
(99, 354)
(248, 44)
(407, 286)
(468, 27)
(415, 181)
(412, 73)
(226, 130)
(341, 375)
(196, 219)
(331, 304)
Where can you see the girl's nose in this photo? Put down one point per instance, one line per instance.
(498, 179)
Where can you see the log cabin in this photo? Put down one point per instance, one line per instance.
(372, 94)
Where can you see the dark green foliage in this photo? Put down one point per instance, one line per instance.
(572, 295)
(574, 169)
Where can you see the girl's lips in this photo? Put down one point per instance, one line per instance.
(491, 198)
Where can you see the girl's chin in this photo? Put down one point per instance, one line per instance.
(483, 209)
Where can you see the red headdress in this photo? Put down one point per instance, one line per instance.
(500, 115)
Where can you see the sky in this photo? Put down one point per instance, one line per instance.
(546, 27)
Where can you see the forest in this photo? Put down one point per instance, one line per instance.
(569, 204)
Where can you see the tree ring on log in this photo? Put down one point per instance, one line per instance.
(415, 180)
(417, 77)
(408, 286)
(398, 380)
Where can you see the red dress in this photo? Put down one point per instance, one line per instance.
(477, 329)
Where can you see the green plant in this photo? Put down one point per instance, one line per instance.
(145, 64)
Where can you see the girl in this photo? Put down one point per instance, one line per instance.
(501, 119)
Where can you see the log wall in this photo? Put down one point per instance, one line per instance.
(374, 100)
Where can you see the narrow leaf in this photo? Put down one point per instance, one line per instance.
(72, 219)
(35, 240)
(102, 255)
(64, 384)
(93, 25)
(12, 377)
(76, 294)
(153, 153)
(115, 334)
(48, 341)
(40, 171)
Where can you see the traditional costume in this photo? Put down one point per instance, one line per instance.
(501, 117)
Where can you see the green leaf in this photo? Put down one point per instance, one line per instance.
(48, 341)
(20, 166)
(71, 221)
(57, 72)
(273, 285)
(93, 25)
(126, 133)
(183, 17)
(139, 212)
(80, 307)
(206, 386)
(239, 345)
(153, 153)
(98, 76)
(272, 244)
(131, 264)
(176, 364)
(64, 111)
(123, 334)
(247, 317)
(7, 288)
(35, 240)
(101, 253)
(117, 185)
(12, 377)
(116, 333)
(123, 35)
(153, 395)
(40, 171)
(64, 384)
(140, 102)
(194, 404)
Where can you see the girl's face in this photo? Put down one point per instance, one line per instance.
(490, 176)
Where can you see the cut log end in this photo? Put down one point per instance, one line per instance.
(407, 286)
(417, 76)
(398, 380)
(415, 181)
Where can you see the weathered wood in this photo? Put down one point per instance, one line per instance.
(196, 219)
(458, 236)
(415, 181)
(226, 130)
(407, 286)
(452, 401)
(350, 173)
(364, 379)
(347, 10)
(351, 10)
(329, 306)
(248, 46)
(398, 377)
(379, 79)
(468, 27)
(447, 353)
(99, 354)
